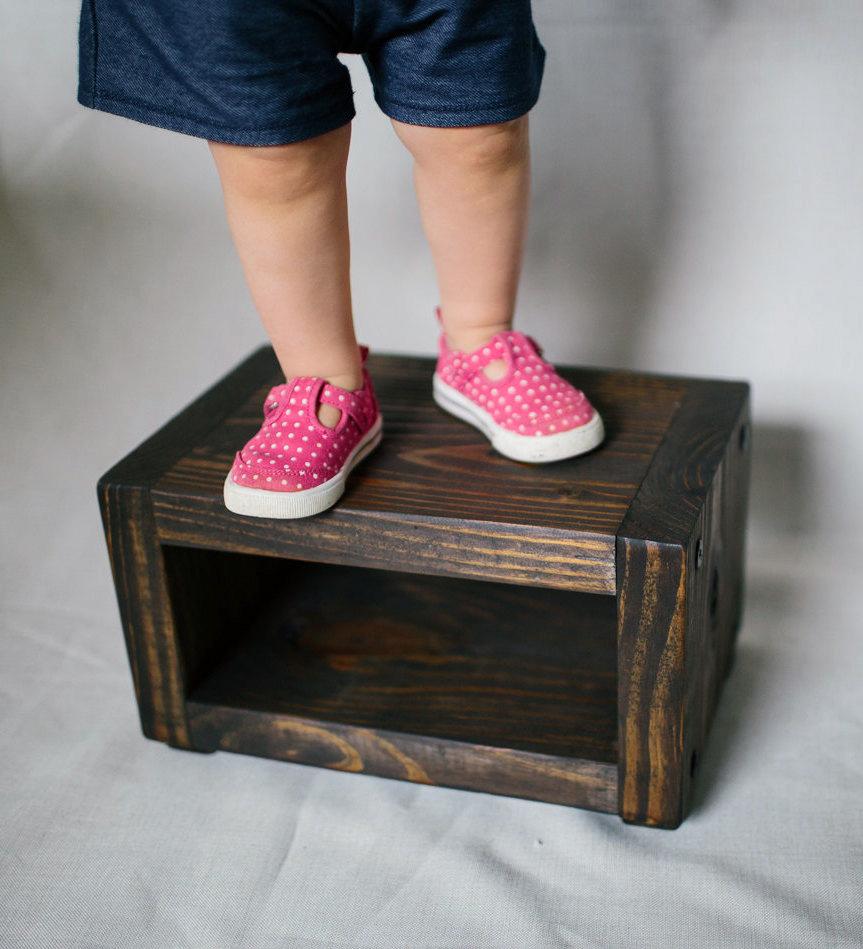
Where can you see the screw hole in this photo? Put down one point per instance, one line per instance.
(693, 764)
(743, 438)
(714, 593)
(699, 554)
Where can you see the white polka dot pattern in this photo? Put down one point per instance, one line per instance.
(293, 450)
(529, 399)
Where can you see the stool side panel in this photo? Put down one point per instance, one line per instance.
(416, 758)
(146, 613)
(673, 644)
(499, 552)
(715, 597)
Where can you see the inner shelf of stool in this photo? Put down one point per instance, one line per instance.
(416, 658)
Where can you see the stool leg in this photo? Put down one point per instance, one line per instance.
(679, 607)
(140, 579)
(651, 664)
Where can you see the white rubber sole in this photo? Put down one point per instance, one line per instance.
(530, 448)
(257, 502)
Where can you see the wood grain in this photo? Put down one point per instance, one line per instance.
(143, 597)
(416, 758)
(441, 624)
(435, 497)
(491, 664)
(441, 681)
(673, 645)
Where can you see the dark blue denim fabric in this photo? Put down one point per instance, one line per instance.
(265, 72)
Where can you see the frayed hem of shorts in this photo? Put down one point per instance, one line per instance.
(450, 118)
(280, 135)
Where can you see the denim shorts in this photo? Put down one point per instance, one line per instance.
(265, 72)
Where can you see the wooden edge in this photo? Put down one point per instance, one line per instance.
(420, 759)
(146, 614)
(651, 610)
(656, 548)
(714, 597)
(555, 559)
(668, 502)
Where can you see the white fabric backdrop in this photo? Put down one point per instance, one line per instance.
(698, 208)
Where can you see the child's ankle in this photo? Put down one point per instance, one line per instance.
(347, 380)
(469, 338)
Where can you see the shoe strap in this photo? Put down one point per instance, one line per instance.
(469, 368)
(356, 405)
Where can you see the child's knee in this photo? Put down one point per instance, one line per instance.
(480, 147)
(286, 171)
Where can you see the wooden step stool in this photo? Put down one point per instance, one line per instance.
(557, 632)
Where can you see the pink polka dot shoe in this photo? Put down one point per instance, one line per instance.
(296, 466)
(530, 413)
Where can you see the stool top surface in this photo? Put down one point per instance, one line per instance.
(433, 476)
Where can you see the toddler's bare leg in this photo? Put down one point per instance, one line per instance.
(287, 211)
(473, 189)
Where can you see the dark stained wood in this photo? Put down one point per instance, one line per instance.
(650, 647)
(446, 548)
(487, 663)
(715, 593)
(406, 757)
(683, 532)
(417, 679)
(441, 624)
(434, 496)
(212, 595)
(138, 570)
